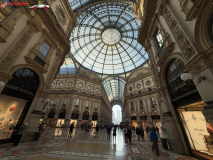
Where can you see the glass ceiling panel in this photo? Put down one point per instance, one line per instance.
(107, 33)
(114, 87)
(68, 66)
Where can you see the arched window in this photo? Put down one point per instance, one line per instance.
(77, 103)
(95, 116)
(62, 113)
(51, 114)
(75, 114)
(175, 84)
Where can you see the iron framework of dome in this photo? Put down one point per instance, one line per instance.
(104, 39)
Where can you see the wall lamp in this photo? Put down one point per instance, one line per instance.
(188, 78)
(2, 84)
(156, 100)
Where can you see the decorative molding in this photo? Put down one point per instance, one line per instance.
(197, 67)
(14, 52)
(4, 77)
(184, 44)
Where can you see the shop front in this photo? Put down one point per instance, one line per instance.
(94, 119)
(144, 122)
(85, 118)
(61, 118)
(156, 120)
(134, 121)
(50, 118)
(74, 118)
(189, 106)
(15, 100)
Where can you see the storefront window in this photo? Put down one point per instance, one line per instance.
(176, 86)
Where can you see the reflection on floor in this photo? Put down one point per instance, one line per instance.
(54, 144)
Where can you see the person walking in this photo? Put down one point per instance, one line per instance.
(20, 133)
(125, 134)
(138, 133)
(154, 139)
(86, 128)
(142, 134)
(96, 129)
(70, 131)
(129, 134)
(108, 132)
(114, 133)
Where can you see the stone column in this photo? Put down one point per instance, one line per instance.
(67, 121)
(149, 120)
(139, 121)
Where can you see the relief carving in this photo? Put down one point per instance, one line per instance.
(184, 44)
(13, 53)
(197, 67)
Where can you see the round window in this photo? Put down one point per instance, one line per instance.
(130, 88)
(139, 86)
(70, 83)
(148, 83)
(80, 85)
(60, 84)
(52, 84)
(97, 89)
(89, 87)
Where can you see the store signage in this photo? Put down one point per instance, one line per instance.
(19, 89)
(155, 117)
(143, 117)
(180, 86)
(74, 116)
(133, 118)
(85, 117)
(195, 126)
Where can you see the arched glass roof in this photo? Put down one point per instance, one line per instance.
(114, 87)
(68, 66)
(104, 39)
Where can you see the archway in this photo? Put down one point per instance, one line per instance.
(61, 118)
(144, 121)
(85, 118)
(17, 95)
(116, 114)
(74, 117)
(94, 119)
(50, 117)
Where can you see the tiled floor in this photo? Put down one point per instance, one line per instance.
(55, 145)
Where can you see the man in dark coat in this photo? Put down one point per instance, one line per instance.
(138, 133)
(142, 134)
(154, 139)
(97, 129)
(71, 129)
(129, 134)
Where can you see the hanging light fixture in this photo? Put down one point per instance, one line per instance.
(2, 84)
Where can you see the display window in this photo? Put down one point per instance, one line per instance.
(84, 122)
(144, 124)
(10, 112)
(49, 122)
(198, 130)
(94, 123)
(60, 123)
(157, 123)
(74, 121)
(134, 123)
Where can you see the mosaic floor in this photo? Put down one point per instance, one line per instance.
(55, 145)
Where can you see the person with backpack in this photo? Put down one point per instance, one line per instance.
(114, 133)
(154, 139)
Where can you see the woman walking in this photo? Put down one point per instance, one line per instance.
(108, 132)
(129, 134)
(114, 133)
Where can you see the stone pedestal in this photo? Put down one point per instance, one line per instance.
(79, 121)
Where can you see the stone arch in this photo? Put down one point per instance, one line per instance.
(40, 76)
(201, 33)
(165, 65)
(140, 68)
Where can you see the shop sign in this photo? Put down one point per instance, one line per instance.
(155, 117)
(133, 118)
(143, 117)
(94, 117)
(85, 117)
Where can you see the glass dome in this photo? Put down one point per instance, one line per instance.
(68, 66)
(104, 39)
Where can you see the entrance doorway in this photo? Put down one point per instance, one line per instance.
(116, 115)
(85, 118)
(50, 118)
(74, 117)
(17, 95)
(61, 118)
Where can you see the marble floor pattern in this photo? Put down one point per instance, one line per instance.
(54, 144)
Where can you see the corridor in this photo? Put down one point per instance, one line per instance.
(55, 145)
